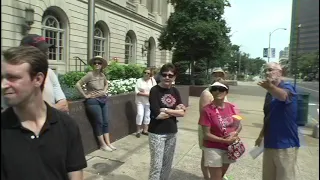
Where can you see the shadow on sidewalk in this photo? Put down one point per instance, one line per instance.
(113, 177)
(182, 175)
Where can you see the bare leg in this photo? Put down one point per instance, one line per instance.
(139, 128)
(107, 140)
(102, 144)
(205, 170)
(145, 128)
(215, 173)
(225, 169)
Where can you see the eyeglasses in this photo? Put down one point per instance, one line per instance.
(167, 75)
(271, 69)
(97, 63)
(218, 88)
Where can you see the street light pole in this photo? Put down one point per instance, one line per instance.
(296, 58)
(269, 50)
(239, 62)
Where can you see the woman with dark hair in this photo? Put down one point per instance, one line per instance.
(220, 129)
(142, 89)
(166, 106)
(96, 100)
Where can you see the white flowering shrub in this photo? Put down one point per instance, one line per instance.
(121, 86)
(117, 86)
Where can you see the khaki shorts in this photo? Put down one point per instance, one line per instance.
(279, 164)
(200, 137)
(215, 157)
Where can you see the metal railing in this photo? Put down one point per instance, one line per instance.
(81, 63)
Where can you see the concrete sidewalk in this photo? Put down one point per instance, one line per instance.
(132, 160)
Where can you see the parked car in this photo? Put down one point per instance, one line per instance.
(309, 77)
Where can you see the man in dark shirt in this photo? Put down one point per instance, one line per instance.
(38, 142)
(280, 129)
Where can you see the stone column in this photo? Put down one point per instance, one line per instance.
(155, 6)
(144, 3)
(168, 10)
(160, 7)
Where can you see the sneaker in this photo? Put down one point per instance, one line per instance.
(112, 147)
(138, 135)
(225, 177)
(145, 133)
(106, 148)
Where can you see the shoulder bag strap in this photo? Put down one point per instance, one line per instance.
(222, 123)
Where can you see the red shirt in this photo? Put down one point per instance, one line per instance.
(210, 119)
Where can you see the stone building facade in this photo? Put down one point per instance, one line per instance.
(126, 30)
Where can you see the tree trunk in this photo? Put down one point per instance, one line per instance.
(192, 82)
(208, 65)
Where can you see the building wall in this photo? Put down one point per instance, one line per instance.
(306, 13)
(116, 18)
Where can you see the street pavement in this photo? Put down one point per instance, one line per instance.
(132, 161)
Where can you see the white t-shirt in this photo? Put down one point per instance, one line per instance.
(144, 86)
(52, 92)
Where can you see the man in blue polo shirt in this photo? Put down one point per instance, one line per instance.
(280, 130)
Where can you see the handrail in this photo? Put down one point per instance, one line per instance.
(77, 58)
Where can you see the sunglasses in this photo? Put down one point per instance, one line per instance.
(167, 75)
(97, 63)
(218, 88)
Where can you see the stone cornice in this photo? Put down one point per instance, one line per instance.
(127, 12)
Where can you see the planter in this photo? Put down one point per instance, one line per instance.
(121, 117)
(184, 93)
(196, 90)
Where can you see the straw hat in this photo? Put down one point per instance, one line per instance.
(219, 69)
(100, 58)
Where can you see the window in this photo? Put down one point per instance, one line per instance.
(99, 42)
(128, 49)
(53, 31)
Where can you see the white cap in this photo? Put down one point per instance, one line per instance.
(219, 84)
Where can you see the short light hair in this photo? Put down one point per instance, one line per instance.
(274, 65)
(28, 54)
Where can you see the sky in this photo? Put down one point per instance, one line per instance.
(251, 21)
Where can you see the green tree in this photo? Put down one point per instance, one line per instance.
(197, 31)
(308, 63)
(255, 65)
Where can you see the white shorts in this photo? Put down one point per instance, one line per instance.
(216, 157)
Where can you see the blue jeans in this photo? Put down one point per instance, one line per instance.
(98, 111)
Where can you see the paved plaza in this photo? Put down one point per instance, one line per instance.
(131, 160)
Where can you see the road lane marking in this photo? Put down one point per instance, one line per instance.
(308, 89)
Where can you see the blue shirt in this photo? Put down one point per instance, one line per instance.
(281, 131)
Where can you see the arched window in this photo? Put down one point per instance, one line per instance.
(99, 42)
(52, 29)
(128, 49)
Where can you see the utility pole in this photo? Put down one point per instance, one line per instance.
(91, 13)
(296, 58)
(239, 62)
(269, 50)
